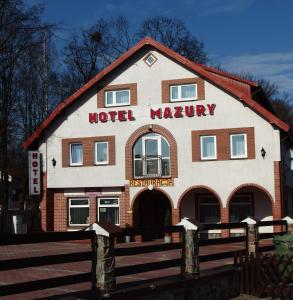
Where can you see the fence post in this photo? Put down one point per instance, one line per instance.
(191, 252)
(252, 239)
(106, 280)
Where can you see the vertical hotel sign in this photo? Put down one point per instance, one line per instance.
(34, 172)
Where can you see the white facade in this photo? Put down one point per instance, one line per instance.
(223, 177)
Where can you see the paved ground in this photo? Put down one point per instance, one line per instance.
(51, 271)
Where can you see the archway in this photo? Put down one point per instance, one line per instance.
(152, 208)
(200, 203)
(250, 200)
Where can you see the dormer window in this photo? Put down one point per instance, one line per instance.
(184, 92)
(117, 98)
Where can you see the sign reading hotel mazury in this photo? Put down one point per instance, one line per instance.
(34, 162)
(151, 182)
(167, 112)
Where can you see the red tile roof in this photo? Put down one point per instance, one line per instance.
(208, 73)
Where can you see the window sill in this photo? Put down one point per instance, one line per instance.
(182, 100)
(76, 165)
(120, 105)
(102, 164)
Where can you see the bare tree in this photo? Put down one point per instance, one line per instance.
(173, 33)
(20, 41)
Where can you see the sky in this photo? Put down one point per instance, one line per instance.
(254, 36)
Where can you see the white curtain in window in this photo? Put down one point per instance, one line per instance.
(102, 152)
(238, 145)
(122, 97)
(188, 91)
(76, 153)
(174, 92)
(208, 147)
(109, 98)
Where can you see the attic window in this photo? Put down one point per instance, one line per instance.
(150, 59)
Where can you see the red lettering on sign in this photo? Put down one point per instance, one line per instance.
(103, 117)
(35, 180)
(93, 118)
(200, 110)
(121, 115)
(35, 172)
(35, 164)
(130, 115)
(168, 113)
(112, 115)
(211, 108)
(35, 189)
(178, 112)
(156, 113)
(189, 111)
(35, 155)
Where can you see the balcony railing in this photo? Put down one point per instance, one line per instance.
(151, 166)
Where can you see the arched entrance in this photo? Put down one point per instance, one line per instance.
(250, 201)
(200, 203)
(152, 208)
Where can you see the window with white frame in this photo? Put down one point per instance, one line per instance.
(108, 210)
(101, 153)
(151, 156)
(208, 147)
(78, 212)
(117, 98)
(183, 92)
(76, 154)
(238, 145)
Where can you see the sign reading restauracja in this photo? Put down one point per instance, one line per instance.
(166, 112)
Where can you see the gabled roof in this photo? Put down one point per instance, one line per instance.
(206, 72)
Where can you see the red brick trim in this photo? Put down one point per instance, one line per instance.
(249, 185)
(277, 206)
(144, 130)
(145, 189)
(223, 142)
(167, 83)
(88, 144)
(130, 86)
(195, 187)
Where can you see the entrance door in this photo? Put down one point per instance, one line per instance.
(152, 209)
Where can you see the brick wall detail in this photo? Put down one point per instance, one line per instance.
(223, 142)
(130, 86)
(167, 83)
(277, 206)
(140, 132)
(88, 144)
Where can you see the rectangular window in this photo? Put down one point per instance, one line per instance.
(108, 210)
(101, 153)
(238, 145)
(208, 147)
(183, 92)
(117, 98)
(78, 211)
(76, 154)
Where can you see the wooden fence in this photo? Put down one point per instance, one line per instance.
(29, 262)
(127, 251)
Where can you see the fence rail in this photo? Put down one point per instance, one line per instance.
(29, 262)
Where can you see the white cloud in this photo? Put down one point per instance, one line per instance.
(275, 67)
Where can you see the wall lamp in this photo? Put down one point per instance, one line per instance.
(263, 152)
(54, 162)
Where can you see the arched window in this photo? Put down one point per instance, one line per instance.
(151, 156)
